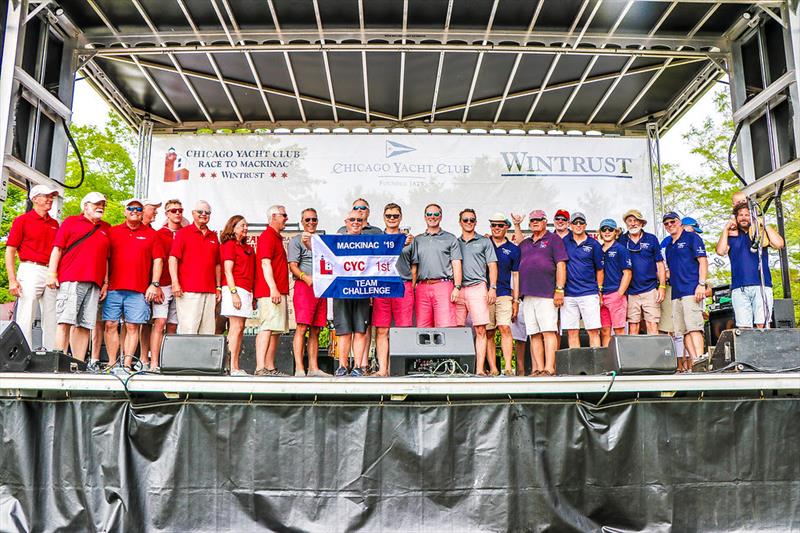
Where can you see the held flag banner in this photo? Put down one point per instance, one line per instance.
(357, 266)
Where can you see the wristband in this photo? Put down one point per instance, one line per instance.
(219, 287)
(560, 290)
(662, 287)
(302, 276)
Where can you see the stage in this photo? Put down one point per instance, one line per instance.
(398, 388)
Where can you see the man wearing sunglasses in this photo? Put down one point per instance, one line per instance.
(397, 311)
(271, 291)
(477, 258)
(584, 283)
(542, 275)
(436, 260)
(310, 312)
(561, 223)
(648, 285)
(688, 268)
(135, 265)
(617, 274)
(362, 206)
(165, 314)
(505, 309)
(196, 272)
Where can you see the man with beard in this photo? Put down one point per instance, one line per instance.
(752, 299)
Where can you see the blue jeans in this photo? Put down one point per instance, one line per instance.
(748, 306)
(129, 305)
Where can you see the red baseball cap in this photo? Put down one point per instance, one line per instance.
(562, 213)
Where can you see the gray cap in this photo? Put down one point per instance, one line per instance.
(577, 215)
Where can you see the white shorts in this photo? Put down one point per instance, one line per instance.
(166, 309)
(228, 309)
(540, 315)
(577, 307)
(518, 332)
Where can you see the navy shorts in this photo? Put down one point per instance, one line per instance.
(129, 305)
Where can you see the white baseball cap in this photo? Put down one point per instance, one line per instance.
(92, 198)
(151, 201)
(45, 190)
(126, 203)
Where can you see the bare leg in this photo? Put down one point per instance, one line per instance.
(112, 341)
(506, 345)
(313, 348)
(97, 339)
(272, 350)
(235, 329)
(131, 342)
(80, 342)
(519, 348)
(594, 337)
(298, 345)
(360, 340)
(144, 343)
(382, 347)
(537, 351)
(156, 336)
(652, 328)
(550, 346)
(573, 338)
(633, 328)
(262, 343)
(344, 343)
(605, 336)
(491, 346)
(480, 350)
(62, 337)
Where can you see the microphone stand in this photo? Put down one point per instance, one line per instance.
(756, 246)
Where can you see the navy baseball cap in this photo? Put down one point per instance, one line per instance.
(670, 216)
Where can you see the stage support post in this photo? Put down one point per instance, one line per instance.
(656, 184)
(143, 158)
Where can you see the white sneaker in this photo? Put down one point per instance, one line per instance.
(239, 372)
(299, 373)
(318, 374)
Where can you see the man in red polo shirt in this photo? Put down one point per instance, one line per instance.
(137, 258)
(271, 290)
(31, 237)
(196, 273)
(79, 269)
(165, 314)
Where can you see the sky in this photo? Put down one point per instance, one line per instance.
(90, 108)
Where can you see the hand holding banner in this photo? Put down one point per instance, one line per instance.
(357, 266)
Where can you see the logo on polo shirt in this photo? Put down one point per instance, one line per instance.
(681, 245)
(587, 249)
(612, 253)
(700, 250)
(506, 251)
(645, 245)
(141, 238)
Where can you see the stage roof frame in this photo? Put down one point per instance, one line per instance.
(609, 66)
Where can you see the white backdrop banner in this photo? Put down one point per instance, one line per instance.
(245, 174)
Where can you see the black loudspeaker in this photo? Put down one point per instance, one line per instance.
(193, 354)
(581, 361)
(55, 362)
(284, 356)
(414, 350)
(758, 349)
(783, 313)
(15, 354)
(641, 354)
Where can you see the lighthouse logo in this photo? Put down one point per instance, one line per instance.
(175, 167)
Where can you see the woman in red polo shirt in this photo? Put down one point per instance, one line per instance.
(239, 267)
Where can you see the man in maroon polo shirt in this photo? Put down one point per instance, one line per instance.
(165, 314)
(135, 265)
(271, 290)
(196, 273)
(78, 268)
(31, 237)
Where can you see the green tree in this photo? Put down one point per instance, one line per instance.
(108, 164)
(12, 208)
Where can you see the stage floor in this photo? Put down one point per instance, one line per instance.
(398, 388)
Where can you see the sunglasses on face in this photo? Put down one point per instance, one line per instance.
(536, 219)
(134, 209)
(579, 222)
(391, 216)
(202, 213)
(175, 211)
(309, 219)
(498, 225)
(560, 219)
(433, 214)
(672, 222)
(284, 215)
(469, 220)
(606, 229)
(354, 220)
(360, 207)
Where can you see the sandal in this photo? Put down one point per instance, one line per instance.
(548, 373)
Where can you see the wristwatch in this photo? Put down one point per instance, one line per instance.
(457, 287)
(492, 286)
(233, 290)
(701, 283)
(155, 284)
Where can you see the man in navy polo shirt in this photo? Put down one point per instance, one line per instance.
(584, 282)
(648, 285)
(688, 267)
(506, 307)
(750, 292)
(617, 276)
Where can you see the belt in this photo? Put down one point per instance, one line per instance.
(432, 281)
(36, 263)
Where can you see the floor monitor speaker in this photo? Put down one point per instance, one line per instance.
(15, 354)
(581, 361)
(193, 354)
(415, 350)
(758, 349)
(641, 354)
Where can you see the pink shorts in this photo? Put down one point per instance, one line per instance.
(614, 311)
(308, 309)
(433, 306)
(472, 300)
(399, 309)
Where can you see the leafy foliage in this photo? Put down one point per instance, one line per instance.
(12, 208)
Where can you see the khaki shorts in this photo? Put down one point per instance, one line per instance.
(644, 304)
(500, 313)
(666, 324)
(687, 314)
(273, 317)
(541, 315)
